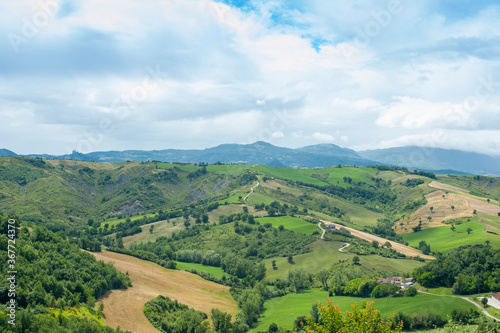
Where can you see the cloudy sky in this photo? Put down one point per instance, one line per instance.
(93, 75)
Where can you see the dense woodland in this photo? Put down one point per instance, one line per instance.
(54, 273)
(468, 270)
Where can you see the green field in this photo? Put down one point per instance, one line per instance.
(290, 223)
(335, 176)
(443, 239)
(161, 229)
(214, 271)
(323, 176)
(325, 254)
(302, 175)
(284, 310)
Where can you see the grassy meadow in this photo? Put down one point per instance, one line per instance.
(284, 310)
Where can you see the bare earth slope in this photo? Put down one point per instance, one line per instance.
(475, 202)
(124, 307)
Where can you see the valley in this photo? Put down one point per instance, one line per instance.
(258, 243)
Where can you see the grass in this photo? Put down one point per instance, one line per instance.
(161, 229)
(213, 271)
(284, 310)
(335, 176)
(325, 254)
(324, 176)
(290, 223)
(291, 174)
(443, 239)
(80, 312)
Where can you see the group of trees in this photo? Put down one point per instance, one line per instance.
(170, 316)
(468, 269)
(53, 272)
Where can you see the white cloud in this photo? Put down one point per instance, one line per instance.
(229, 71)
(323, 137)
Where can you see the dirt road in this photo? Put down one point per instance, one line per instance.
(406, 250)
(124, 307)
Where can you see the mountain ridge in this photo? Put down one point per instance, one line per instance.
(313, 156)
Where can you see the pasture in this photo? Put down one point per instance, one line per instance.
(284, 310)
(443, 239)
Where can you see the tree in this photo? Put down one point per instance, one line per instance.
(452, 207)
(281, 227)
(429, 218)
(290, 259)
(274, 264)
(151, 228)
(484, 301)
(187, 224)
(468, 230)
(273, 328)
(487, 242)
(322, 277)
(221, 321)
(299, 279)
(204, 218)
(362, 318)
(388, 244)
(453, 228)
(432, 209)
(375, 244)
(488, 200)
(245, 209)
(355, 260)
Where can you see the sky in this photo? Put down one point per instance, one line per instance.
(99, 75)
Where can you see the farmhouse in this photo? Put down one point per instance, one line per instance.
(391, 280)
(496, 297)
(330, 226)
(408, 282)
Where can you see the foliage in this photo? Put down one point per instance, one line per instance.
(361, 319)
(421, 321)
(170, 316)
(469, 269)
(41, 320)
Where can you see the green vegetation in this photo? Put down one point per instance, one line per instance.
(290, 223)
(361, 319)
(170, 316)
(444, 239)
(53, 273)
(284, 310)
(468, 269)
(190, 267)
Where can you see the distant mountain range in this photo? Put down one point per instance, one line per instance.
(316, 156)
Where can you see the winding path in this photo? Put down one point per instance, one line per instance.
(343, 247)
(467, 299)
(251, 191)
(323, 235)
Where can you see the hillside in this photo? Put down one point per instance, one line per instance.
(261, 233)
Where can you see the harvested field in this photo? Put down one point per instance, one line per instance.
(475, 202)
(124, 307)
(444, 207)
